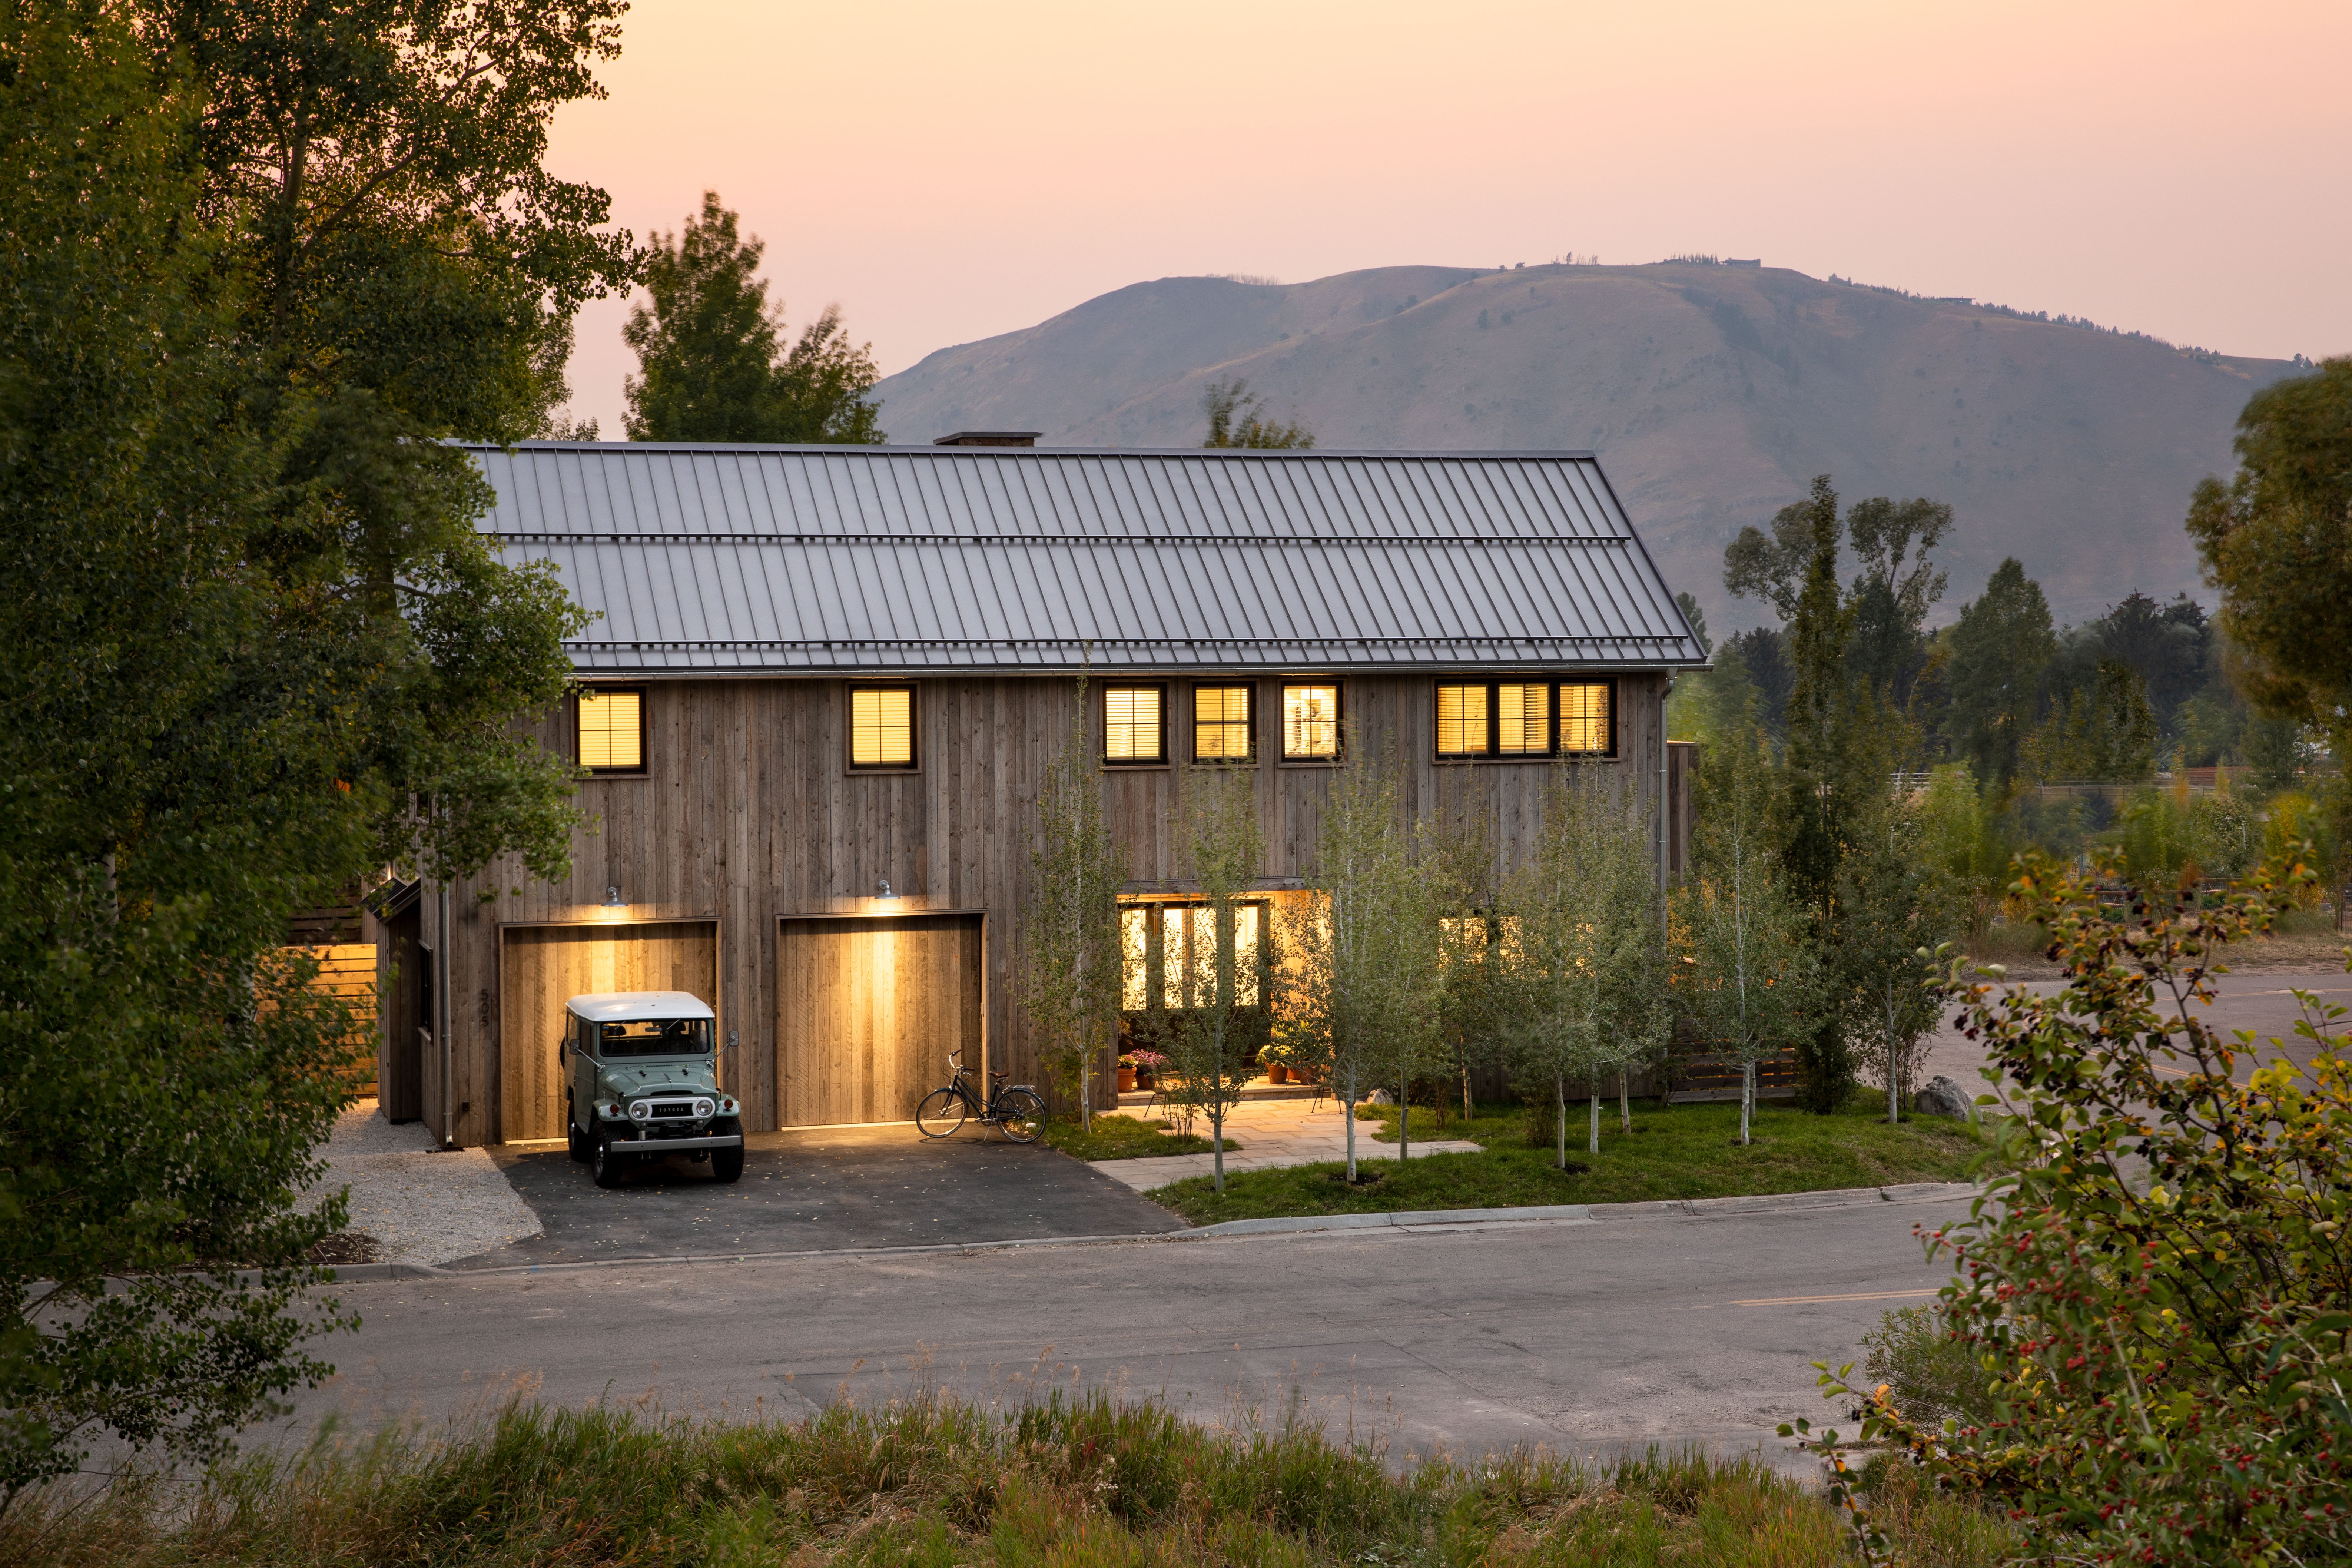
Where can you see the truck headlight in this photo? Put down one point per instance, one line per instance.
(703, 1107)
(639, 1110)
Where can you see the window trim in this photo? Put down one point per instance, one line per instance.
(1102, 712)
(1338, 720)
(914, 762)
(1248, 759)
(644, 748)
(1492, 751)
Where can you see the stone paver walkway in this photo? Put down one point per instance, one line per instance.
(1271, 1132)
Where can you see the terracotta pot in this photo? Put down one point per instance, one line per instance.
(1126, 1080)
(1276, 1073)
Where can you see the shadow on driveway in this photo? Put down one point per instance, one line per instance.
(849, 1187)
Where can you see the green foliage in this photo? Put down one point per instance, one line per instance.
(1895, 905)
(1751, 981)
(1961, 836)
(1930, 1373)
(1209, 1042)
(1577, 957)
(1119, 1136)
(2000, 647)
(1365, 982)
(709, 359)
(2163, 1357)
(1070, 960)
(1237, 419)
(2277, 541)
(2173, 840)
(254, 648)
(2106, 734)
(2291, 821)
(1080, 1480)
(1678, 1151)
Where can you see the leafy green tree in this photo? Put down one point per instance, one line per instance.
(2153, 1289)
(1209, 1040)
(2001, 646)
(253, 651)
(1070, 958)
(707, 346)
(1709, 707)
(1750, 980)
(1366, 997)
(1960, 837)
(2276, 540)
(2106, 734)
(1895, 906)
(1580, 957)
(1238, 418)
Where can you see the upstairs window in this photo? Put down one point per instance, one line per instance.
(1133, 725)
(882, 727)
(1526, 719)
(1224, 724)
(609, 729)
(1311, 722)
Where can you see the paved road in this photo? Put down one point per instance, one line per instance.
(1578, 1336)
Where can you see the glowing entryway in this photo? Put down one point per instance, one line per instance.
(867, 1008)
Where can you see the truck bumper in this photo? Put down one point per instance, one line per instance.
(673, 1145)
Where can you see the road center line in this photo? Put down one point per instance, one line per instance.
(1803, 1301)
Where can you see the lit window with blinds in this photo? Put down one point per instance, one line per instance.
(1310, 722)
(611, 733)
(1520, 720)
(1523, 719)
(1132, 726)
(1168, 956)
(1223, 723)
(1586, 724)
(882, 727)
(1461, 720)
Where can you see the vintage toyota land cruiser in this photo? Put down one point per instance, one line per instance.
(641, 1081)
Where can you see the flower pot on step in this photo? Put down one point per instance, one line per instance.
(1126, 1080)
(1277, 1073)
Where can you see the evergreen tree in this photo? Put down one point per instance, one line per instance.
(2000, 646)
(709, 342)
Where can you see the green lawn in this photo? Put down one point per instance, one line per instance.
(1681, 1151)
(1118, 1136)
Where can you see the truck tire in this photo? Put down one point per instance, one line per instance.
(606, 1165)
(575, 1144)
(727, 1164)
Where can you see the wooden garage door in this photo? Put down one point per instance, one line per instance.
(866, 1012)
(543, 967)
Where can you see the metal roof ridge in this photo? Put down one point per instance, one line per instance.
(1000, 454)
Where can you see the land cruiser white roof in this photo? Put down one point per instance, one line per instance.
(616, 1006)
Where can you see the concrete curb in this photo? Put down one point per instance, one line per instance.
(1415, 1220)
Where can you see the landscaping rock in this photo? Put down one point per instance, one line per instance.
(1942, 1097)
(1380, 1097)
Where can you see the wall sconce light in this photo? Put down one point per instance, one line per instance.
(885, 885)
(613, 898)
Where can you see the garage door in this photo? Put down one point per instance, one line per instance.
(543, 967)
(866, 1012)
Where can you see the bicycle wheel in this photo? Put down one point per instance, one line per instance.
(940, 1113)
(1021, 1115)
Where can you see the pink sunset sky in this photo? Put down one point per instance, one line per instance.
(947, 172)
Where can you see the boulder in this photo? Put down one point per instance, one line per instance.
(1380, 1097)
(1942, 1097)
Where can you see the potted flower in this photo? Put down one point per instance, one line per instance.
(1126, 1074)
(1276, 1059)
(1146, 1067)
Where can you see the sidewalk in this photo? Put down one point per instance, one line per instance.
(1272, 1132)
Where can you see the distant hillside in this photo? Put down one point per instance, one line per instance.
(1711, 394)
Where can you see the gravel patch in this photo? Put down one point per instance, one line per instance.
(419, 1205)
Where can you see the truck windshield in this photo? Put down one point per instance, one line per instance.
(655, 1038)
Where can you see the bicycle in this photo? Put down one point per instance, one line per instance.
(1015, 1109)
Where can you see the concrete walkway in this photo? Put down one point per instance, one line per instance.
(1272, 1132)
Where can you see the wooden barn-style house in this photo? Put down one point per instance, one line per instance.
(823, 684)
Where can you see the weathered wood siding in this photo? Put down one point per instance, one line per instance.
(748, 814)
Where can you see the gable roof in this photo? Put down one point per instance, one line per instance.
(919, 560)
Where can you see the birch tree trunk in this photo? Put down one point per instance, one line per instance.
(1746, 1101)
(1592, 1137)
(1348, 1105)
(1559, 1122)
(1624, 1104)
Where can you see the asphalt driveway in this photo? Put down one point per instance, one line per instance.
(850, 1188)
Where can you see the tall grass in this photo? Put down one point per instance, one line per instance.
(1072, 1482)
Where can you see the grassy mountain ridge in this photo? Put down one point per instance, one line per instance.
(1711, 394)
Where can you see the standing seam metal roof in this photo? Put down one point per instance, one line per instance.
(914, 560)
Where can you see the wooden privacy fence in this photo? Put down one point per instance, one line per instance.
(348, 970)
